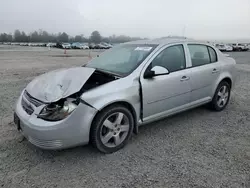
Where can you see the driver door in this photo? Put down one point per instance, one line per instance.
(165, 94)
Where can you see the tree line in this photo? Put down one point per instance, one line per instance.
(45, 37)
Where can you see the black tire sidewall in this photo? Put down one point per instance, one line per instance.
(97, 124)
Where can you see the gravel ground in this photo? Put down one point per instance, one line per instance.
(198, 148)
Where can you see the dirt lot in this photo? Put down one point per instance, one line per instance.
(198, 148)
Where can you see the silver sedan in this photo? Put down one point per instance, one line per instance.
(132, 84)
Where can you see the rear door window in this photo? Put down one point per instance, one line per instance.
(199, 54)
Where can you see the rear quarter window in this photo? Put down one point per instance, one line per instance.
(213, 55)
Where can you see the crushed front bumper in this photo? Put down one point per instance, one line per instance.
(72, 131)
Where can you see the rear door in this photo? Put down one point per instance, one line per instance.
(205, 70)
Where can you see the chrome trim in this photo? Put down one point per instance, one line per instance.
(32, 100)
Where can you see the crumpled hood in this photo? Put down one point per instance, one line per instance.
(54, 85)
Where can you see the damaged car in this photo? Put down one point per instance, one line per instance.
(106, 100)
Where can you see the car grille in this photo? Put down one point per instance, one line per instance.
(31, 99)
(26, 102)
(27, 107)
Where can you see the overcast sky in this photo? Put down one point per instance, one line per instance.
(202, 19)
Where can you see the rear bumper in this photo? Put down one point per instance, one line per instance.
(72, 131)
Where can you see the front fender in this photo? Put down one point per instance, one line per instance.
(113, 92)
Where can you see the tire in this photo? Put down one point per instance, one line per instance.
(218, 104)
(110, 130)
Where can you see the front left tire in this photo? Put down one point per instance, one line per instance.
(112, 128)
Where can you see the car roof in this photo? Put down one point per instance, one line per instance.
(163, 40)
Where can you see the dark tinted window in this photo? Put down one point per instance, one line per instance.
(199, 54)
(172, 58)
(213, 55)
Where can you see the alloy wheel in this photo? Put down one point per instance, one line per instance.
(114, 129)
(222, 96)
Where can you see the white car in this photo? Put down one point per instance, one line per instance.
(224, 47)
(83, 46)
(77, 45)
(50, 45)
(66, 46)
(229, 48)
(240, 47)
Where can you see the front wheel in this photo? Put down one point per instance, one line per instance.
(112, 128)
(221, 96)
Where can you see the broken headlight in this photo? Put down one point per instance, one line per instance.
(58, 111)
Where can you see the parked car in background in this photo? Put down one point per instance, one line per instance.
(100, 46)
(153, 79)
(248, 46)
(51, 45)
(24, 44)
(6, 43)
(110, 45)
(240, 47)
(77, 45)
(59, 45)
(92, 46)
(224, 47)
(84, 46)
(106, 45)
(32, 44)
(228, 48)
(66, 45)
(42, 44)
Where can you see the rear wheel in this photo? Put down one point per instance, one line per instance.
(112, 128)
(221, 96)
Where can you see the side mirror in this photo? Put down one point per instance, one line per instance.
(159, 70)
(149, 74)
(156, 71)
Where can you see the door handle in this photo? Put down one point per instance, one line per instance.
(215, 70)
(184, 78)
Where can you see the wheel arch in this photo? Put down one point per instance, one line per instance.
(126, 104)
(226, 78)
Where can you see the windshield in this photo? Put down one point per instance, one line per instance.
(123, 59)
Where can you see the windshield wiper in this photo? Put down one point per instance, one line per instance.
(108, 72)
(105, 71)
